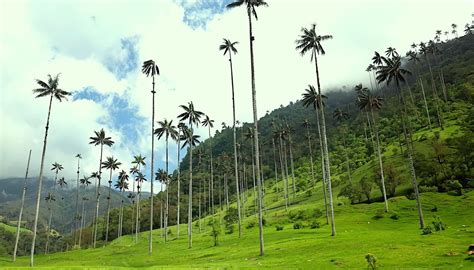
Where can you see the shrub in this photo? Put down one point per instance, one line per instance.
(427, 230)
(229, 228)
(371, 261)
(379, 214)
(297, 226)
(424, 189)
(308, 193)
(279, 228)
(314, 224)
(434, 209)
(215, 230)
(454, 185)
(438, 224)
(251, 224)
(395, 216)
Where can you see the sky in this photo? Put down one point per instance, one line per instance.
(98, 47)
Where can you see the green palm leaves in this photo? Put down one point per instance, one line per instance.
(101, 139)
(228, 46)
(310, 41)
(50, 88)
(250, 5)
(166, 128)
(312, 98)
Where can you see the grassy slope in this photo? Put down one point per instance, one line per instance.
(396, 243)
(12, 229)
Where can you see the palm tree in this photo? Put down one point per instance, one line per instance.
(468, 29)
(56, 168)
(288, 131)
(207, 122)
(311, 41)
(193, 116)
(162, 177)
(454, 31)
(49, 199)
(192, 140)
(139, 178)
(84, 182)
(181, 127)
(340, 115)
(139, 161)
(15, 249)
(134, 170)
(250, 7)
(46, 89)
(111, 164)
(169, 130)
(311, 98)
(62, 182)
(367, 101)
(438, 35)
(249, 136)
(391, 71)
(149, 68)
(391, 52)
(413, 57)
(229, 47)
(99, 139)
(79, 157)
(122, 185)
(306, 124)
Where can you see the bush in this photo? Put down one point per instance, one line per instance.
(438, 224)
(427, 230)
(251, 224)
(279, 228)
(379, 214)
(395, 216)
(314, 225)
(456, 187)
(298, 226)
(434, 209)
(308, 193)
(424, 189)
(371, 261)
(229, 228)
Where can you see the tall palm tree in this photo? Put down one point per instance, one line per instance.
(249, 136)
(306, 124)
(288, 131)
(250, 6)
(149, 68)
(111, 164)
(340, 115)
(132, 195)
(84, 182)
(79, 157)
(139, 178)
(207, 122)
(367, 101)
(162, 177)
(122, 185)
(391, 71)
(56, 168)
(454, 31)
(99, 139)
(468, 29)
(311, 98)
(51, 89)
(181, 127)
(15, 249)
(139, 161)
(193, 116)
(229, 47)
(169, 130)
(310, 41)
(62, 182)
(192, 140)
(438, 35)
(49, 199)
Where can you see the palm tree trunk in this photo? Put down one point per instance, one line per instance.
(98, 196)
(40, 183)
(179, 180)
(167, 193)
(150, 235)
(275, 162)
(15, 249)
(283, 177)
(424, 101)
(82, 223)
(211, 184)
(199, 205)
(235, 146)
(137, 216)
(310, 155)
(292, 168)
(325, 149)
(435, 94)
(348, 164)
(190, 196)
(382, 179)
(121, 215)
(253, 179)
(287, 178)
(323, 168)
(77, 203)
(226, 189)
(50, 215)
(108, 208)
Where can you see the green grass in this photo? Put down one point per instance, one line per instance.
(12, 229)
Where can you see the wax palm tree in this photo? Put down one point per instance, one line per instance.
(454, 31)
(192, 140)
(251, 6)
(49, 199)
(181, 127)
(138, 161)
(193, 116)
(391, 52)
(56, 168)
(122, 185)
(15, 249)
(209, 123)
(51, 89)
(79, 157)
(311, 98)
(306, 124)
(111, 164)
(169, 130)
(288, 130)
(391, 71)
(367, 101)
(249, 136)
(341, 115)
(84, 182)
(139, 178)
(162, 177)
(62, 182)
(132, 196)
(149, 68)
(438, 35)
(99, 139)
(468, 29)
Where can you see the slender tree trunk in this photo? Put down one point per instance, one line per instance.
(284, 176)
(211, 184)
(226, 188)
(108, 208)
(190, 196)
(82, 223)
(40, 184)
(137, 216)
(50, 215)
(348, 164)
(382, 179)
(325, 150)
(121, 215)
(150, 235)
(323, 168)
(310, 155)
(96, 219)
(15, 249)
(77, 203)
(292, 167)
(236, 172)
(167, 193)
(253, 179)
(435, 95)
(424, 101)
(287, 178)
(275, 162)
(179, 184)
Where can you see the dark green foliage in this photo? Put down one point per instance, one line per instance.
(279, 227)
(298, 225)
(379, 214)
(371, 261)
(304, 214)
(456, 187)
(438, 224)
(215, 226)
(424, 189)
(394, 215)
(392, 179)
(352, 192)
(314, 224)
(230, 218)
(427, 230)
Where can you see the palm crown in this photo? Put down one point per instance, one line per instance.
(208, 122)
(340, 115)
(366, 100)
(311, 97)
(310, 41)
(391, 70)
(122, 183)
(149, 68)
(50, 88)
(250, 4)
(166, 128)
(138, 160)
(57, 167)
(62, 182)
(192, 115)
(111, 163)
(188, 137)
(85, 180)
(101, 139)
(228, 46)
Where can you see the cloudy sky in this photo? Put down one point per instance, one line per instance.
(98, 47)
